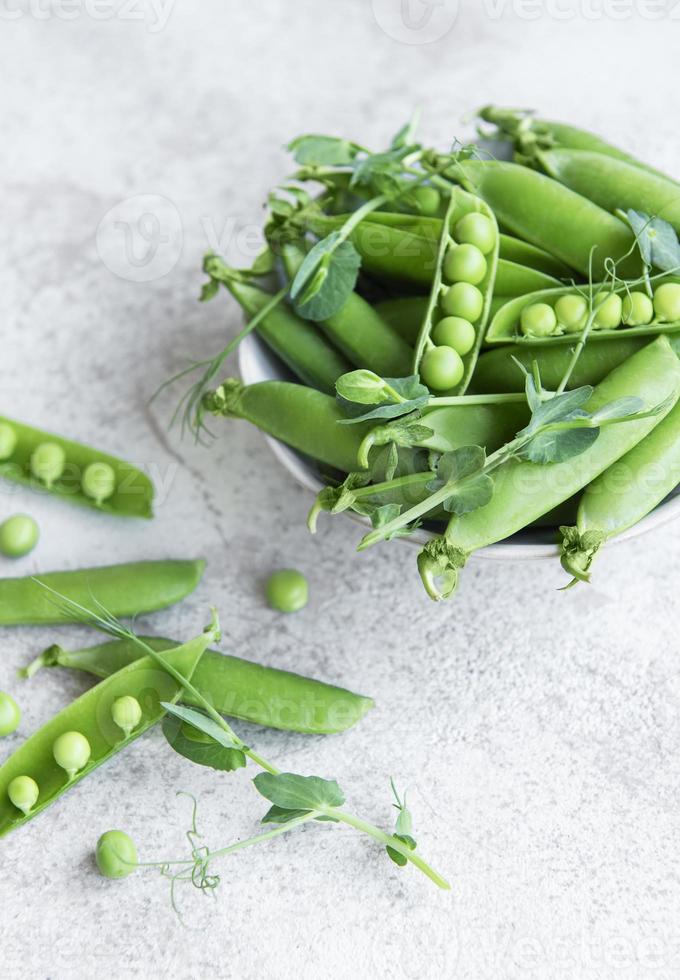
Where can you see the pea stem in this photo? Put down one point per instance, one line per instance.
(268, 835)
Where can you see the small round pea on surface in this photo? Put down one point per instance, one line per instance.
(476, 229)
(427, 199)
(23, 792)
(454, 331)
(463, 300)
(116, 854)
(18, 535)
(667, 302)
(465, 263)
(126, 713)
(609, 310)
(637, 310)
(572, 313)
(98, 481)
(538, 320)
(8, 440)
(47, 462)
(72, 752)
(287, 590)
(10, 714)
(441, 368)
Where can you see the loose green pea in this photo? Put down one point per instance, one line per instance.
(126, 713)
(476, 229)
(454, 331)
(98, 481)
(441, 368)
(538, 320)
(287, 590)
(463, 300)
(427, 199)
(116, 854)
(8, 440)
(18, 535)
(637, 310)
(47, 462)
(10, 714)
(609, 310)
(667, 302)
(572, 313)
(72, 752)
(465, 263)
(23, 792)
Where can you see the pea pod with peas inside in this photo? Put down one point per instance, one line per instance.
(85, 735)
(73, 471)
(235, 687)
(123, 590)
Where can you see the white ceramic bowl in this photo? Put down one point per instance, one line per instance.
(257, 363)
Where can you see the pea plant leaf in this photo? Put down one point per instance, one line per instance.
(618, 409)
(392, 397)
(328, 151)
(200, 748)
(558, 445)
(463, 471)
(657, 240)
(558, 408)
(201, 721)
(326, 278)
(384, 463)
(402, 830)
(290, 791)
(277, 814)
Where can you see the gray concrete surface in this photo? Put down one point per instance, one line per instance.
(537, 731)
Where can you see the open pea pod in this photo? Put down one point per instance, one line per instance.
(461, 203)
(131, 491)
(505, 323)
(91, 716)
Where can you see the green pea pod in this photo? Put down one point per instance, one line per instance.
(522, 253)
(505, 324)
(132, 491)
(551, 216)
(625, 493)
(513, 279)
(299, 345)
(461, 204)
(90, 715)
(497, 370)
(123, 590)
(238, 688)
(358, 330)
(404, 314)
(524, 490)
(614, 184)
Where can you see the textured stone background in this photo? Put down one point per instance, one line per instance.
(537, 731)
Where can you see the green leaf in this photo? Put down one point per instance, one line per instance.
(276, 814)
(620, 408)
(384, 464)
(656, 239)
(396, 856)
(462, 470)
(362, 386)
(203, 723)
(200, 748)
(388, 410)
(291, 791)
(459, 464)
(328, 151)
(208, 290)
(558, 445)
(559, 408)
(325, 279)
(471, 495)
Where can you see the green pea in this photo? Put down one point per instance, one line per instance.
(8, 440)
(476, 229)
(126, 713)
(47, 462)
(72, 752)
(572, 313)
(609, 310)
(637, 310)
(463, 300)
(441, 368)
(18, 535)
(23, 792)
(98, 482)
(454, 331)
(427, 199)
(116, 854)
(465, 263)
(287, 590)
(10, 714)
(667, 302)
(538, 320)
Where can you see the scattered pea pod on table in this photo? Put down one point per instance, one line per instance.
(235, 687)
(73, 471)
(123, 590)
(91, 730)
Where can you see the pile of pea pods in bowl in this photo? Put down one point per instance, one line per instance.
(475, 350)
